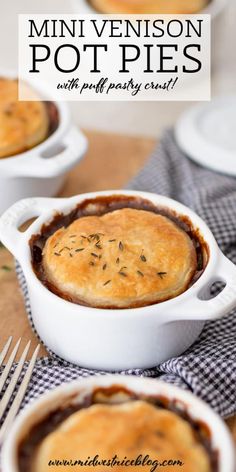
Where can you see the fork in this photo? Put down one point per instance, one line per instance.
(13, 383)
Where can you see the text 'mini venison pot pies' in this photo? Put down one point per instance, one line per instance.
(38, 143)
(118, 279)
(135, 423)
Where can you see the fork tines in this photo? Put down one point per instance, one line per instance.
(7, 396)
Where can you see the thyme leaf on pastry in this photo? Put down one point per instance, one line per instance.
(94, 236)
(117, 260)
(79, 249)
(104, 267)
(161, 274)
(66, 247)
(107, 282)
(140, 273)
(57, 254)
(121, 246)
(143, 258)
(94, 255)
(98, 245)
(111, 240)
(6, 268)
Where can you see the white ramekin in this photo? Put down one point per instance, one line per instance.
(117, 339)
(41, 170)
(196, 409)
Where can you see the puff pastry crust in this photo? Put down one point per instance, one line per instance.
(129, 429)
(149, 6)
(125, 258)
(23, 125)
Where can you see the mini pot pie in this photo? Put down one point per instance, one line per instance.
(23, 125)
(118, 424)
(149, 6)
(117, 257)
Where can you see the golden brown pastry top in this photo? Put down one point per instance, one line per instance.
(149, 6)
(124, 258)
(125, 430)
(23, 125)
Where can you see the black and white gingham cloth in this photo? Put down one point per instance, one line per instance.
(208, 368)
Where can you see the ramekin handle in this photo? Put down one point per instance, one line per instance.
(67, 153)
(16, 215)
(194, 307)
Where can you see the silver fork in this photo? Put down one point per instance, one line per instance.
(12, 384)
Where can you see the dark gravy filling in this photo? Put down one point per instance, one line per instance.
(108, 395)
(53, 116)
(100, 206)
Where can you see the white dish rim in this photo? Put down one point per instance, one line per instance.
(196, 146)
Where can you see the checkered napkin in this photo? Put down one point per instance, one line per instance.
(208, 368)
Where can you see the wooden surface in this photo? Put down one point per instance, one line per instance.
(109, 164)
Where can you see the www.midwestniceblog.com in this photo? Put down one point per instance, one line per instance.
(96, 461)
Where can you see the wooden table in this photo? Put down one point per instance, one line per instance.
(110, 162)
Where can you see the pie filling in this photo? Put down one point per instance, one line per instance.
(114, 422)
(23, 124)
(177, 7)
(118, 252)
